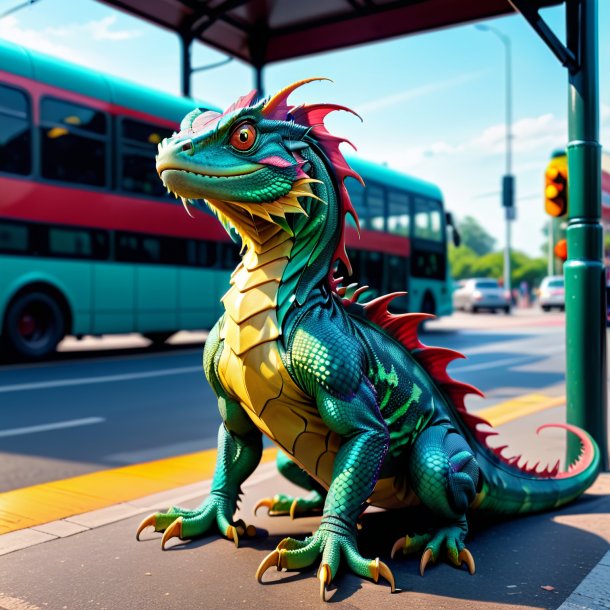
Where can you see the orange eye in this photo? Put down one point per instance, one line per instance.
(243, 137)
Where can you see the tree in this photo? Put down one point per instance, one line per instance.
(475, 237)
(461, 261)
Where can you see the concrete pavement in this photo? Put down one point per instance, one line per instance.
(92, 560)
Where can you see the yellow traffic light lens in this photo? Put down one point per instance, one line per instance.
(552, 173)
(551, 191)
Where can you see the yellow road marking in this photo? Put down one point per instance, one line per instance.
(38, 504)
(520, 407)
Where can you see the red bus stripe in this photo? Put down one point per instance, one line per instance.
(38, 202)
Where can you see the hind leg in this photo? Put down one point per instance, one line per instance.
(444, 475)
(283, 504)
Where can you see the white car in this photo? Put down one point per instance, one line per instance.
(552, 293)
(480, 293)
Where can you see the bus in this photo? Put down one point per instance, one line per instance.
(402, 246)
(91, 244)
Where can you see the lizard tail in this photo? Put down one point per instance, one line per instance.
(511, 489)
(510, 485)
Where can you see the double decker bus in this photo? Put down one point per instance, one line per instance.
(91, 244)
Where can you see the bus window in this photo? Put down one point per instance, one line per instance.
(137, 150)
(355, 191)
(73, 141)
(70, 242)
(397, 274)
(373, 217)
(427, 219)
(371, 270)
(229, 256)
(202, 253)
(15, 132)
(398, 213)
(14, 237)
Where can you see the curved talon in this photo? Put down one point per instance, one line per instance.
(466, 556)
(324, 577)
(233, 534)
(293, 508)
(173, 531)
(425, 558)
(378, 568)
(381, 569)
(268, 502)
(273, 559)
(150, 520)
(399, 544)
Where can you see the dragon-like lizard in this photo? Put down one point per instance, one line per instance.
(346, 390)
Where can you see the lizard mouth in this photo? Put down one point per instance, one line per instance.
(228, 173)
(199, 184)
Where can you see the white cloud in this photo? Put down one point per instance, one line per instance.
(67, 41)
(530, 133)
(97, 30)
(12, 31)
(415, 92)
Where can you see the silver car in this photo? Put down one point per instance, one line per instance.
(480, 293)
(552, 293)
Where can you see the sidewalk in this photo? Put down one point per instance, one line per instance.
(552, 560)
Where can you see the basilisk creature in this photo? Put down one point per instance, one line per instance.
(346, 390)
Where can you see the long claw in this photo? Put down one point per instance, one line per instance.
(150, 520)
(273, 559)
(233, 534)
(378, 568)
(425, 558)
(173, 531)
(293, 508)
(324, 576)
(268, 502)
(399, 544)
(466, 556)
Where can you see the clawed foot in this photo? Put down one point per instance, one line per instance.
(449, 538)
(294, 554)
(282, 504)
(186, 524)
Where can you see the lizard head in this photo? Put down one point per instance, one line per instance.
(244, 163)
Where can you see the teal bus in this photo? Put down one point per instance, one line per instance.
(91, 244)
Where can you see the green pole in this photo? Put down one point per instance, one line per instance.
(584, 270)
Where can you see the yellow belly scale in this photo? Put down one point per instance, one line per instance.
(251, 368)
(253, 373)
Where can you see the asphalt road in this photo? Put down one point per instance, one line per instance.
(102, 404)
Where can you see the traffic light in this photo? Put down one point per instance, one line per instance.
(561, 250)
(556, 186)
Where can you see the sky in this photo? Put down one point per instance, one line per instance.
(433, 104)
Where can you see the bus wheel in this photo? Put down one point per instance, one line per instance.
(158, 338)
(34, 325)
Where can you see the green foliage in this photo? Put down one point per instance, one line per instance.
(466, 263)
(475, 237)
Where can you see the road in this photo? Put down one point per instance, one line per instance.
(106, 403)
(125, 404)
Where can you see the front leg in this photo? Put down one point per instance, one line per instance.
(365, 443)
(239, 452)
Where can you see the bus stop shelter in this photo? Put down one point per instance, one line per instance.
(260, 32)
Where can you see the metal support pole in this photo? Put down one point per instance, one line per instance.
(508, 181)
(259, 83)
(584, 271)
(185, 64)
